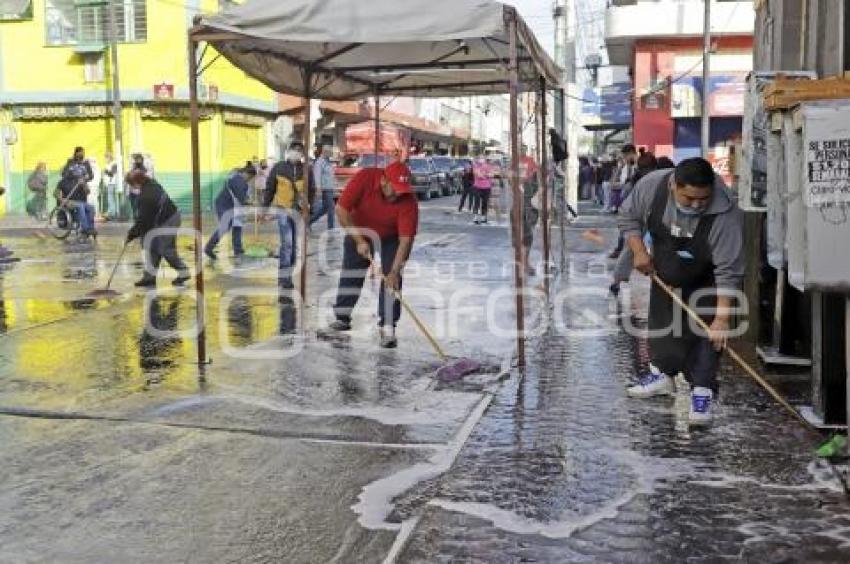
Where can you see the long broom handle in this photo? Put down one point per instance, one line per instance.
(735, 356)
(419, 323)
(117, 262)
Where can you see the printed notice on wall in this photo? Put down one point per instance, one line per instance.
(827, 166)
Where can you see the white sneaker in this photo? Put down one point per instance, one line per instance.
(655, 383)
(700, 414)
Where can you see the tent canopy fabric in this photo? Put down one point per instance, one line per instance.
(346, 50)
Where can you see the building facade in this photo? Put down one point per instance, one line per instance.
(56, 93)
(662, 43)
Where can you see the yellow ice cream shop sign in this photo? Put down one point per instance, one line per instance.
(65, 111)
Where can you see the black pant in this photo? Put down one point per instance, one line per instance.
(677, 348)
(466, 196)
(164, 247)
(354, 270)
(481, 202)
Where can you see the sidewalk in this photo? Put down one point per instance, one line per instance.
(564, 467)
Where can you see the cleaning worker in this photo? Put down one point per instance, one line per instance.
(228, 204)
(696, 228)
(155, 211)
(377, 207)
(285, 195)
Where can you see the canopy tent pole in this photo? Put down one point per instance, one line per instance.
(519, 273)
(377, 124)
(196, 204)
(305, 204)
(544, 175)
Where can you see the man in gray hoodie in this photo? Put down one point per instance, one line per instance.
(696, 229)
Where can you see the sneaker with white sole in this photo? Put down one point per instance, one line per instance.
(654, 383)
(388, 338)
(701, 399)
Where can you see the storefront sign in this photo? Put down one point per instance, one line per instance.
(163, 91)
(244, 119)
(71, 111)
(170, 111)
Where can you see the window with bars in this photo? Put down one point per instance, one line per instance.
(80, 22)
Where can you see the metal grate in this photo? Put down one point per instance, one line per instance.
(73, 22)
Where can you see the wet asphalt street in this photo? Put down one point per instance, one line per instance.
(300, 445)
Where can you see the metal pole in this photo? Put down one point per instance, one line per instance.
(706, 75)
(377, 125)
(519, 273)
(562, 194)
(196, 202)
(847, 365)
(118, 143)
(544, 174)
(305, 205)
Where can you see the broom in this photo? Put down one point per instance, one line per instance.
(256, 249)
(451, 370)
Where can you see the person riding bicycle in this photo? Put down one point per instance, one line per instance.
(73, 189)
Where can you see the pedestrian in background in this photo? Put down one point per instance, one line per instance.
(94, 186)
(37, 184)
(286, 193)
(529, 214)
(484, 173)
(110, 181)
(228, 208)
(468, 185)
(325, 178)
(155, 211)
(626, 169)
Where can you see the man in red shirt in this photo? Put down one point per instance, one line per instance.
(377, 208)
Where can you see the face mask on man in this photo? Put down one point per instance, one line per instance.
(135, 191)
(688, 210)
(293, 156)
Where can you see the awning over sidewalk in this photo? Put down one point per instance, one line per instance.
(344, 50)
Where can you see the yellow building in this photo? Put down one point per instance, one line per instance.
(56, 93)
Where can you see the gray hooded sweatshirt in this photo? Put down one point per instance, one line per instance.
(726, 237)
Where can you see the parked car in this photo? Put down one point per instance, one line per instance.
(448, 179)
(424, 177)
(351, 165)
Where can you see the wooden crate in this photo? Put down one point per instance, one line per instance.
(783, 94)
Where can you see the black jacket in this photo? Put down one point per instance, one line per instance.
(155, 208)
(292, 171)
(74, 173)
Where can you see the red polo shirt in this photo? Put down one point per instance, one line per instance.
(363, 199)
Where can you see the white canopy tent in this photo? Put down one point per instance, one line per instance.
(346, 50)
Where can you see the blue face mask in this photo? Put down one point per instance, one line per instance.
(686, 210)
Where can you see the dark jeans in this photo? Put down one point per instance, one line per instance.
(467, 196)
(677, 348)
(326, 206)
(481, 202)
(164, 246)
(354, 271)
(225, 224)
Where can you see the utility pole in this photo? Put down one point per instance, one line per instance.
(559, 14)
(118, 147)
(706, 74)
